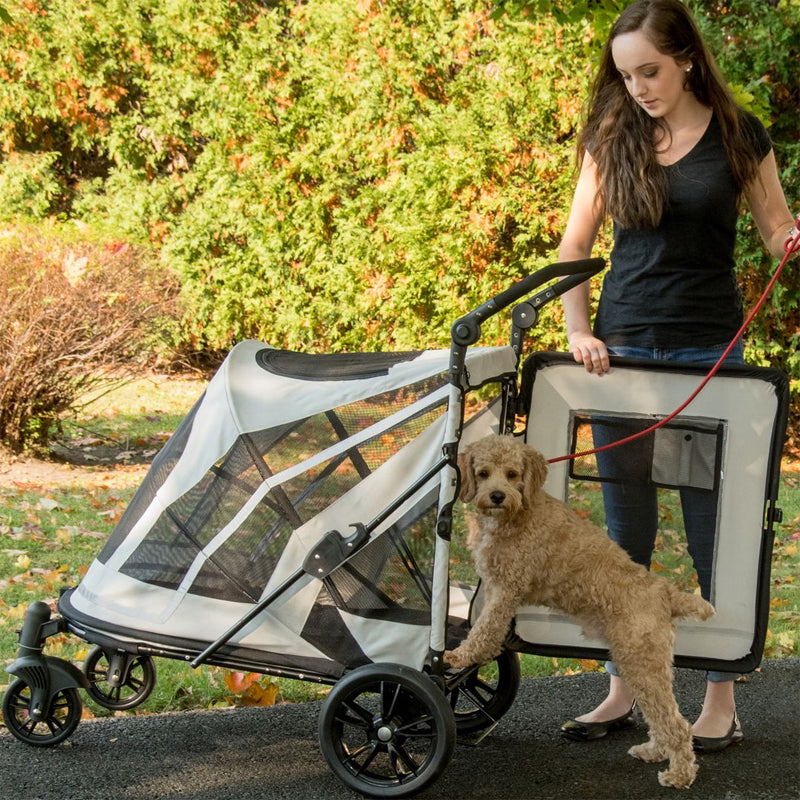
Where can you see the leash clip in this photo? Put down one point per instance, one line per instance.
(792, 244)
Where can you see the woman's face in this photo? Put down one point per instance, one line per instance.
(655, 81)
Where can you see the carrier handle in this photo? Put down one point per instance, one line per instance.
(467, 329)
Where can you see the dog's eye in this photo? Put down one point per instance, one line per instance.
(512, 474)
(482, 473)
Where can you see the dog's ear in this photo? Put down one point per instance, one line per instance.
(535, 472)
(468, 487)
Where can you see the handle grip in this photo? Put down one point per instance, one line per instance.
(467, 329)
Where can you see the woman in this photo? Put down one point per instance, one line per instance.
(667, 154)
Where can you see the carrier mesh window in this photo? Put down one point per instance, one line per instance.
(317, 433)
(683, 453)
(315, 489)
(239, 568)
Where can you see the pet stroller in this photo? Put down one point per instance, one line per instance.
(298, 523)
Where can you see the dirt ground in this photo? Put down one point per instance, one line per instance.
(72, 468)
(20, 472)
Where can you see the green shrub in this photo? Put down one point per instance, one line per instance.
(28, 185)
(347, 174)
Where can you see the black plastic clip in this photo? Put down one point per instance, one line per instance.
(332, 550)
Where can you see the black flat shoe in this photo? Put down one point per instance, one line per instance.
(587, 731)
(711, 744)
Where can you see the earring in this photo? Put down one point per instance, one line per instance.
(688, 69)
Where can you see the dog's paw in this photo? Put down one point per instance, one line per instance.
(649, 751)
(455, 658)
(678, 778)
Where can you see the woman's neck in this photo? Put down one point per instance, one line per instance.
(683, 129)
(689, 115)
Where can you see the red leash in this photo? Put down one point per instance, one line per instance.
(792, 245)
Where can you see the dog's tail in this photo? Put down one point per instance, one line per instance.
(689, 605)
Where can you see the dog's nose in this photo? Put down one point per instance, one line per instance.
(497, 497)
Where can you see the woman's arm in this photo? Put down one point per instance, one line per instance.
(769, 208)
(583, 224)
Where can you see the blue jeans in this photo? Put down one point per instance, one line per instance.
(632, 507)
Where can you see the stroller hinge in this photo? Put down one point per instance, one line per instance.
(332, 550)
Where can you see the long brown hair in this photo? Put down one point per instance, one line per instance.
(621, 136)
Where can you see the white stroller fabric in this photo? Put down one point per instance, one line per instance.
(252, 401)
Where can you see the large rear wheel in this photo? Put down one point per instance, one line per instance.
(386, 730)
(479, 696)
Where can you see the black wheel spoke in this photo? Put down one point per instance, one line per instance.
(370, 749)
(488, 691)
(422, 728)
(29, 726)
(354, 714)
(476, 698)
(398, 754)
(61, 702)
(19, 704)
(134, 683)
(55, 724)
(389, 695)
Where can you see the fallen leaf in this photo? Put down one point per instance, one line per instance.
(17, 612)
(22, 562)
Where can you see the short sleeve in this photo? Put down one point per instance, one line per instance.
(758, 135)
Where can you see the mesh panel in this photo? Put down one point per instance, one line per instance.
(241, 566)
(327, 631)
(390, 577)
(683, 453)
(162, 561)
(317, 433)
(162, 465)
(319, 486)
(211, 504)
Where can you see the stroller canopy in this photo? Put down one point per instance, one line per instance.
(281, 448)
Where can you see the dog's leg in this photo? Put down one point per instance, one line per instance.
(645, 663)
(670, 737)
(486, 637)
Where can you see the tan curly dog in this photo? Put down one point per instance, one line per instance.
(532, 549)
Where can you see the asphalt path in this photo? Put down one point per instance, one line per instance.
(273, 753)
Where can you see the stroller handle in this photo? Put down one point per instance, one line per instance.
(467, 329)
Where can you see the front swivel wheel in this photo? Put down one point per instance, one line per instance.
(43, 726)
(119, 681)
(386, 730)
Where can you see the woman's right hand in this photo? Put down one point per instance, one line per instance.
(590, 351)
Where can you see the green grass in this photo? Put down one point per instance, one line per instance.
(50, 533)
(136, 414)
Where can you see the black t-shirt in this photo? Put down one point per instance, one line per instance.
(674, 286)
